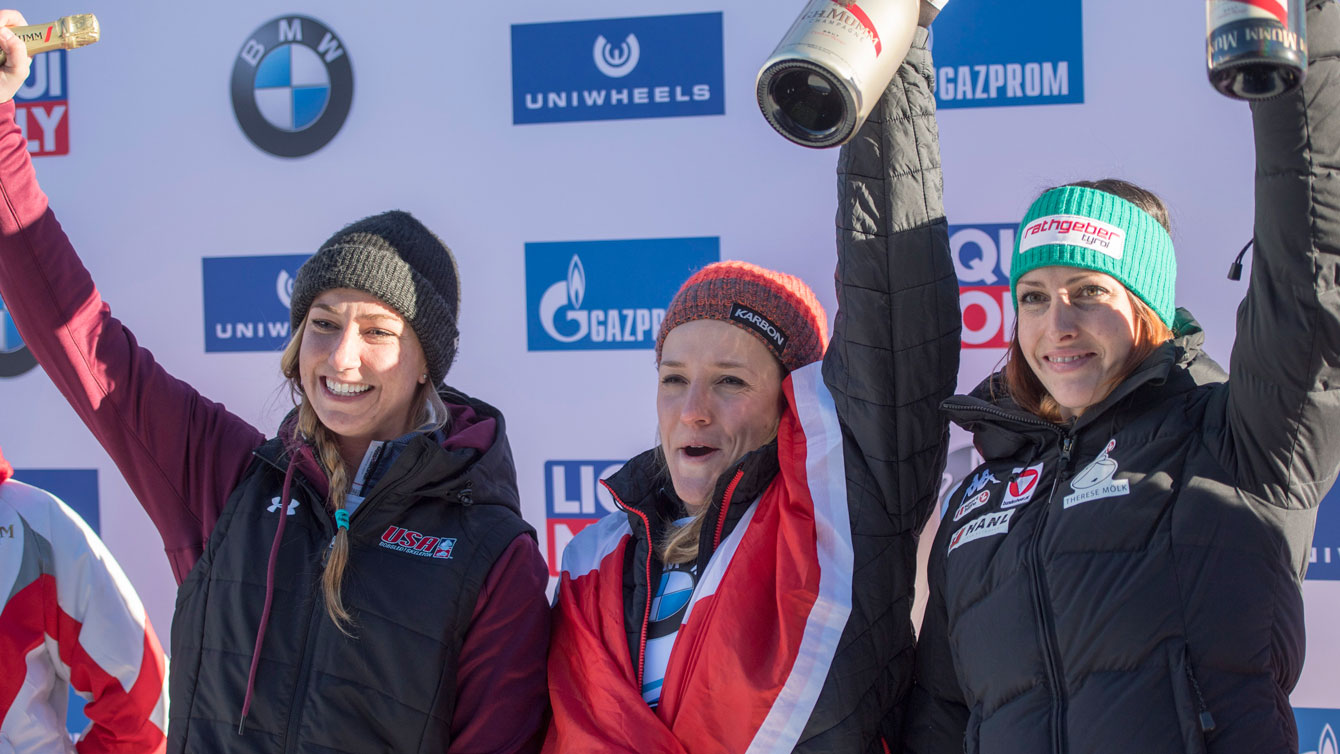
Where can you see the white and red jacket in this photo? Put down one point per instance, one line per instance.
(761, 632)
(71, 618)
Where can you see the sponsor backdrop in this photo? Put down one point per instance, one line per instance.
(581, 163)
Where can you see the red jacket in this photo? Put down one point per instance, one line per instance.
(758, 641)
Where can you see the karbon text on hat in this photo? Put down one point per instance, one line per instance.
(778, 309)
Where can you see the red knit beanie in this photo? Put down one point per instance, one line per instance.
(778, 309)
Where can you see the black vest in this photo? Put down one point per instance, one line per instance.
(421, 546)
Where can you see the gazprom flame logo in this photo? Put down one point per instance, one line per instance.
(616, 62)
(567, 293)
(284, 288)
(585, 295)
(1327, 744)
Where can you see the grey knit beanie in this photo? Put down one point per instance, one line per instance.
(395, 258)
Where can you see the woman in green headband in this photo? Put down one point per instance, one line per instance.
(1124, 571)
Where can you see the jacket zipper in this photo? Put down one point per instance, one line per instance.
(1042, 607)
(1206, 719)
(646, 611)
(725, 506)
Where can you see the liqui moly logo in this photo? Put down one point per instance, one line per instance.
(414, 543)
(574, 499)
(981, 255)
(1074, 230)
(41, 106)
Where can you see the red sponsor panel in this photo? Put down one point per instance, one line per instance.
(45, 125)
(988, 316)
(559, 532)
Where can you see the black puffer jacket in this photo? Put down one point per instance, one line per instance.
(894, 353)
(1132, 582)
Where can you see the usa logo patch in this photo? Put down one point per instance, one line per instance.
(414, 543)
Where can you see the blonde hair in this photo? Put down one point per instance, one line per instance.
(431, 415)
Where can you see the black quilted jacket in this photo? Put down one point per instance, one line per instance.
(1132, 582)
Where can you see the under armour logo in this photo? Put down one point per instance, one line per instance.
(276, 502)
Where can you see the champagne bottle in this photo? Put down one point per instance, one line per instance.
(1255, 49)
(832, 66)
(66, 32)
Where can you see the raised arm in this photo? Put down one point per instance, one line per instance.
(180, 453)
(1284, 390)
(895, 348)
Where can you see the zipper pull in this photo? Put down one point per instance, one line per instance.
(1066, 445)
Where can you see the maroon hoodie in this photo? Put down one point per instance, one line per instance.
(182, 454)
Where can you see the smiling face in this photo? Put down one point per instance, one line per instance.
(719, 397)
(1076, 330)
(361, 367)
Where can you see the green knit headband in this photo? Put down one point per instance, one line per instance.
(1073, 226)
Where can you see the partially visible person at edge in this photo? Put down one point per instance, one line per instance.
(754, 592)
(1124, 571)
(364, 580)
(71, 618)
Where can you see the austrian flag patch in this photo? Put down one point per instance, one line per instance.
(412, 542)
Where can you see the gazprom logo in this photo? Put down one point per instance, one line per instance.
(588, 295)
(990, 55)
(1317, 730)
(614, 68)
(247, 301)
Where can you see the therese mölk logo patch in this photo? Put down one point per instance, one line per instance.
(1094, 482)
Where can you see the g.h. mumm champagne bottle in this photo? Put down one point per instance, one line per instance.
(833, 64)
(1255, 49)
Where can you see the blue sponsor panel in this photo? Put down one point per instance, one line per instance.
(573, 500)
(999, 55)
(78, 488)
(598, 295)
(15, 358)
(614, 68)
(981, 255)
(1325, 561)
(1317, 730)
(247, 301)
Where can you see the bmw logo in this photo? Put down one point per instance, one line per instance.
(15, 358)
(292, 86)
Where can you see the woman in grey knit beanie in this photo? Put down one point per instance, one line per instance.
(364, 580)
